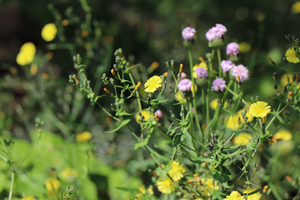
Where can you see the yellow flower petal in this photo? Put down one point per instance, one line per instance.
(49, 32)
(153, 84)
(283, 135)
(242, 139)
(166, 186)
(214, 104)
(177, 171)
(146, 115)
(83, 137)
(259, 109)
(290, 56)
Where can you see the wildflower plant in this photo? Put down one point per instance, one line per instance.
(218, 144)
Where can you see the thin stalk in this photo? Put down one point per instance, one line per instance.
(219, 60)
(194, 94)
(11, 185)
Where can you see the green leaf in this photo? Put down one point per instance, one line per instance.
(123, 123)
(131, 190)
(122, 113)
(163, 172)
(142, 144)
(222, 174)
(278, 117)
(201, 160)
(218, 194)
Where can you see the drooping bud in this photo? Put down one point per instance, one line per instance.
(275, 76)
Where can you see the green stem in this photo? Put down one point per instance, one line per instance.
(194, 95)
(11, 185)
(274, 191)
(275, 116)
(234, 94)
(219, 60)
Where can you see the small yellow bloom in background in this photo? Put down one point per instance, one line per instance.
(52, 185)
(49, 32)
(283, 135)
(65, 22)
(290, 56)
(166, 186)
(232, 122)
(285, 77)
(214, 104)
(248, 115)
(12, 70)
(234, 195)
(242, 139)
(26, 54)
(255, 196)
(245, 47)
(209, 185)
(45, 76)
(202, 64)
(153, 84)
(296, 7)
(146, 115)
(83, 137)
(28, 198)
(154, 65)
(259, 109)
(68, 174)
(33, 69)
(49, 55)
(177, 171)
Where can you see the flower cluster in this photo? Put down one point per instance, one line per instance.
(49, 32)
(185, 85)
(188, 33)
(216, 32)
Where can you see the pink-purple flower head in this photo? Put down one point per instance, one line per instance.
(188, 33)
(159, 114)
(218, 84)
(201, 72)
(227, 65)
(232, 49)
(240, 73)
(185, 85)
(216, 32)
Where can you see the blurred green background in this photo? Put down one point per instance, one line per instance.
(147, 31)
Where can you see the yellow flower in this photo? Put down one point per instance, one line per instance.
(232, 122)
(242, 139)
(234, 195)
(244, 47)
(26, 54)
(259, 109)
(255, 196)
(83, 137)
(143, 191)
(209, 185)
(49, 32)
(146, 115)
(177, 171)
(248, 115)
(166, 186)
(28, 198)
(214, 104)
(28, 47)
(296, 7)
(68, 174)
(285, 77)
(52, 185)
(283, 135)
(290, 56)
(202, 64)
(153, 84)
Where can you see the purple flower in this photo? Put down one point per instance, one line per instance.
(218, 84)
(184, 85)
(188, 33)
(232, 49)
(241, 72)
(227, 65)
(215, 32)
(201, 72)
(183, 75)
(159, 114)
